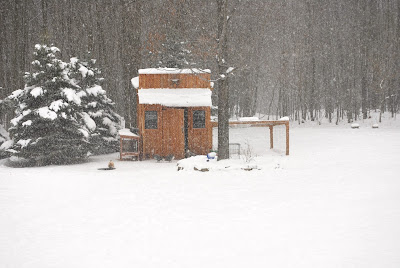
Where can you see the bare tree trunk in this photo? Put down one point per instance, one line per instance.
(223, 90)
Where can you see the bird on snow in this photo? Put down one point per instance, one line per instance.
(157, 157)
(169, 157)
(111, 165)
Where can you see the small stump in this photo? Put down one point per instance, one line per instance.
(355, 125)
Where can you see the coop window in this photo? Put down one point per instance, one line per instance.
(150, 120)
(199, 119)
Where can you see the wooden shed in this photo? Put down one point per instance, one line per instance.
(174, 109)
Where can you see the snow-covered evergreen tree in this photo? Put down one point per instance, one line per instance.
(175, 54)
(5, 141)
(48, 128)
(98, 112)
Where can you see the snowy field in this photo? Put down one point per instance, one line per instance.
(334, 202)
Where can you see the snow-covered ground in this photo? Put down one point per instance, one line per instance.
(334, 202)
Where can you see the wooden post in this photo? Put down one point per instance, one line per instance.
(287, 138)
(271, 136)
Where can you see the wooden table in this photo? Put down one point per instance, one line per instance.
(267, 123)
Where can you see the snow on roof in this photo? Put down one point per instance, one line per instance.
(126, 132)
(135, 82)
(172, 71)
(176, 97)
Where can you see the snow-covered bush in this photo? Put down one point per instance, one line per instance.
(47, 128)
(98, 112)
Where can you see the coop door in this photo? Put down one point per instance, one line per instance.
(173, 132)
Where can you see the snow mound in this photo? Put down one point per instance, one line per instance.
(355, 125)
(204, 164)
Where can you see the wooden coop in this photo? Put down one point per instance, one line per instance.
(174, 109)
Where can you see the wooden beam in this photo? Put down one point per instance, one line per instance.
(253, 123)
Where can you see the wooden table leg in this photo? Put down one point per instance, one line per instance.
(287, 138)
(271, 136)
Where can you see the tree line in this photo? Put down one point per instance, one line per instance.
(304, 59)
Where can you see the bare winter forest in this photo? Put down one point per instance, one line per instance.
(306, 59)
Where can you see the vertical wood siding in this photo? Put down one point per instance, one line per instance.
(167, 80)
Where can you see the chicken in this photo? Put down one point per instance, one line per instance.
(169, 157)
(157, 157)
(111, 165)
